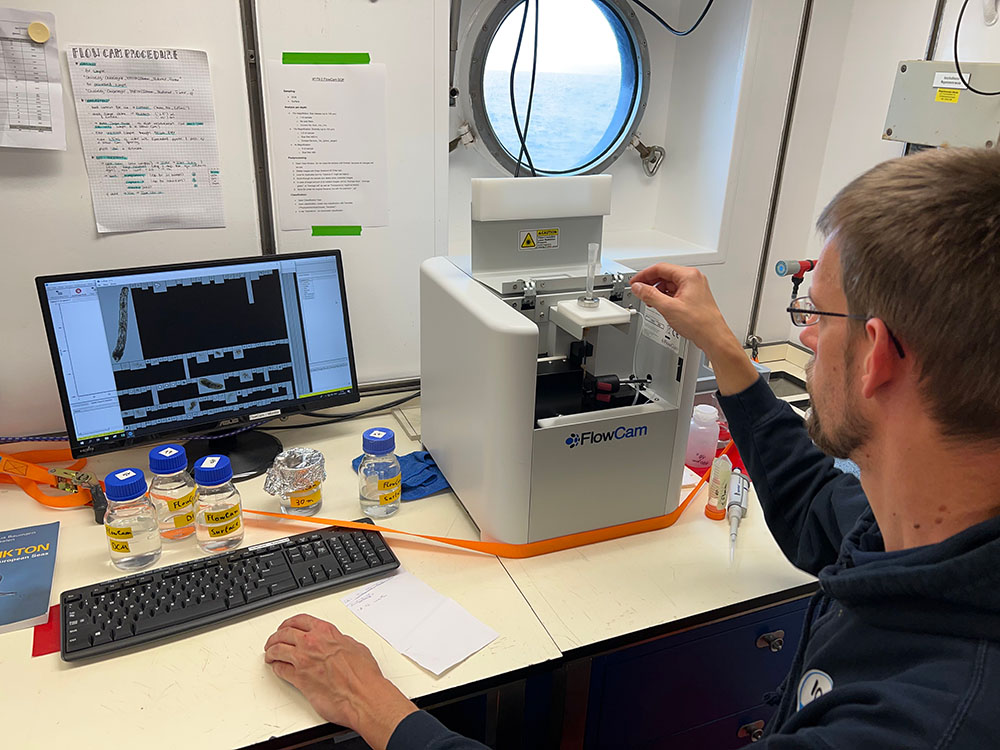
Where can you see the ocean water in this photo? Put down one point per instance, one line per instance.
(570, 114)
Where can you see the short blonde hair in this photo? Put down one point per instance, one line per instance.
(919, 242)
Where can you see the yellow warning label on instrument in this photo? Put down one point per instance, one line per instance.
(949, 96)
(228, 528)
(180, 503)
(117, 546)
(213, 517)
(390, 497)
(538, 239)
(305, 500)
(118, 532)
(183, 519)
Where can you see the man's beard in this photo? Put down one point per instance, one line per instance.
(847, 437)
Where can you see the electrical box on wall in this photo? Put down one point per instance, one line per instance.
(931, 106)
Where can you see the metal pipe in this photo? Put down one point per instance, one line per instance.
(456, 13)
(932, 38)
(786, 129)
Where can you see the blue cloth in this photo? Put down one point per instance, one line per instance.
(420, 475)
(902, 649)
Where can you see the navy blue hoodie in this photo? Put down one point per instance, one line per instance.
(900, 649)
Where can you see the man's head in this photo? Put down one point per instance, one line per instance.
(913, 244)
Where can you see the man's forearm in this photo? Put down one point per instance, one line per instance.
(734, 372)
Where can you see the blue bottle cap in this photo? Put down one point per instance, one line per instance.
(167, 459)
(378, 441)
(124, 484)
(212, 470)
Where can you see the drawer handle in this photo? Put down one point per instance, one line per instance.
(754, 730)
(774, 640)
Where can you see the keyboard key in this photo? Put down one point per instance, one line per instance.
(281, 586)
(354, 567)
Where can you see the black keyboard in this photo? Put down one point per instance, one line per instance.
(107, 617)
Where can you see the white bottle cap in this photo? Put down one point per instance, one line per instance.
(706, 414)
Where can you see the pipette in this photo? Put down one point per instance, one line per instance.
(590, 300)
(736, 508)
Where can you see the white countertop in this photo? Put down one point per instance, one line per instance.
(541, 606)
(158, 695)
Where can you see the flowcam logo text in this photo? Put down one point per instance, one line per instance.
(590, 437)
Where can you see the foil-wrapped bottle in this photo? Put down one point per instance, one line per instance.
(296, 478)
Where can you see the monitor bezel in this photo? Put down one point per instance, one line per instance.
(230, 422)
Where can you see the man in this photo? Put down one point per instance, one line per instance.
(901, 645)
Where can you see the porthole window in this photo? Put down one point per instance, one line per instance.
(591, 74)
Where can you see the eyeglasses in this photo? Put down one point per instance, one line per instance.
(804, 313)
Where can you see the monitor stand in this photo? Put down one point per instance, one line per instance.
(251, 453)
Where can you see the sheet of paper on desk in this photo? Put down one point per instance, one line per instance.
(433, 630)
(31, 97)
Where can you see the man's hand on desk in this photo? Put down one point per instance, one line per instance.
(683, 297)
(338, 676)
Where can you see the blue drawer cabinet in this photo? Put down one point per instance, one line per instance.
(696, 687)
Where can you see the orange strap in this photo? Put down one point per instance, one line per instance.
(23, 470)
(518, 551)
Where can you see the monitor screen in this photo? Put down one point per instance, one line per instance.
(143, 354)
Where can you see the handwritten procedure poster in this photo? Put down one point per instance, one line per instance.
(147, 122)
(31, 103)
(327, 132)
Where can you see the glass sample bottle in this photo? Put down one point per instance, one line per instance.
(296, 477)
(379, 476)
(130, 521)
(218, 515)
(172, 491)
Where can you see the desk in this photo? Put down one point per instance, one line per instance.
(212, 689)
(603, 591)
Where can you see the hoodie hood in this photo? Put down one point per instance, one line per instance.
(952, 587)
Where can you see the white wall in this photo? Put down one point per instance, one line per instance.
(977, 41)
(46, 217)
(381, 265)
(844, 94)
(718, 111)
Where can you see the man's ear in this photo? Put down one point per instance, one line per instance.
(882, 364)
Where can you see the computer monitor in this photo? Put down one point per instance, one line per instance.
(143, 355)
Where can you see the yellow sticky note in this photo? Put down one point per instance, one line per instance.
(949, 96)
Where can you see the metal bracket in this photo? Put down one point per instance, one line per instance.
(528, 298)
(618, 287)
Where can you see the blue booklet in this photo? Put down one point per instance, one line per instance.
(27, 559)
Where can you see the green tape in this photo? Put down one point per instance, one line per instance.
(336, 231)
(325, 58)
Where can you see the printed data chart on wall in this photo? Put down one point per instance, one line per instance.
(31, 105)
